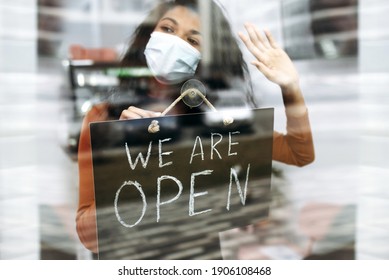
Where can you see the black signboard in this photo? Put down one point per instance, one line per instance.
(168, 195)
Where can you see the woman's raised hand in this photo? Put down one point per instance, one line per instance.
(270, 59)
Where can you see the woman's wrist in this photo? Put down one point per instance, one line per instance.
(291, 88)
(293, 100)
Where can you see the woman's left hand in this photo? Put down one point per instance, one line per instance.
(271, 60)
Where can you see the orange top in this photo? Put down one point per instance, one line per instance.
(295, 148)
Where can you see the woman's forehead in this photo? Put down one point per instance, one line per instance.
(184, 17)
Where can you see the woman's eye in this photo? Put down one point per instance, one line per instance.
(193, 42)
(167, 29)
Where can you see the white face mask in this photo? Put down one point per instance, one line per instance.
(171, 59)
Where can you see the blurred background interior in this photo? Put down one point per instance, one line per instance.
(59, 57)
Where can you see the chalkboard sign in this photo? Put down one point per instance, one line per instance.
(168, 195)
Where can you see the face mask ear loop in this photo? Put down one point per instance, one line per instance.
(154, 126)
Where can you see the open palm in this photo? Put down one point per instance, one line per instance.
(271, 60)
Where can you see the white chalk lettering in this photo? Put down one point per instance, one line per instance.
(213, 144)
(230, 143)
(216, 152)
(243, 193)
(193, 195)
(139, 157)
(142, 194)
(161, 164)
(159, 203)
(198, 139)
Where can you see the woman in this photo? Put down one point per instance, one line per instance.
(171, 35)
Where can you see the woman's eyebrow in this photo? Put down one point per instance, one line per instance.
(175, 22)
(195, 32)
(170, 19)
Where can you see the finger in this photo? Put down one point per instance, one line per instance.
(251, 47)
(143, 113)
(262, 67)
(270, 38)
(252, 36)
(256, 35)
(264, 41)
(128, 115)
(136, 113)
